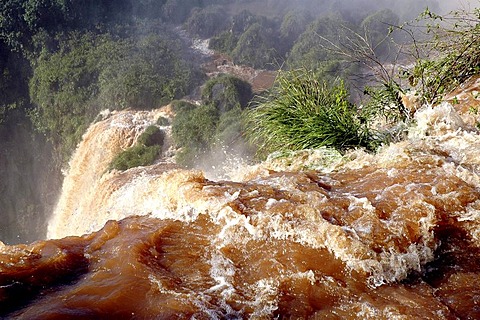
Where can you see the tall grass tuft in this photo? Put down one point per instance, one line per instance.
(301, 112)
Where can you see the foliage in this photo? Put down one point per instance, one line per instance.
(229, 128)
(194, 130)
(310, 51)
(179, 106)
(217, 122)
(63, 87)
(386, 101)
(226, 92)
(252, 40)
(136, 156)
(151, 136)
(177, 11)
(256, 48)
(301, 112)
(451, 57)
(90, 73)
(206, 22)
(162, 121)
(143, 153)
(14, 71)
(224, 42)
(294, 23)
(20, 20)
(376, 27)
(144, 74)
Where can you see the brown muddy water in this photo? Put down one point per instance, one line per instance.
(314, 235)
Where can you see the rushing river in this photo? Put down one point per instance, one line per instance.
(389, 236)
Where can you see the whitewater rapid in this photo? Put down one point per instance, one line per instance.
(311, 234)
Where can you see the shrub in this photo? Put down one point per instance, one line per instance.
(301, 112)
(151, 136)
(256, 48)
(205, 22)
(227, 92)
(143, 153)
(178, 106)
(229, 127)
(138, 155)
(225, 42)
(193, 131)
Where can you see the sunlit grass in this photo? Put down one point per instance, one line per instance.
(302, 112)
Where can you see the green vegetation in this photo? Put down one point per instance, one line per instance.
(206, 22)
(90, 73)
(136, 156)
(143, 153)
(302, 112)
(449, 57)
(217, 121)
(227, 92)
(162, 121)
(194, 132)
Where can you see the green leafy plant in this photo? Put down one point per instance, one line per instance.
(138, 155)
(302, 112)
(227, 92)
(193, 131)
(143, 153)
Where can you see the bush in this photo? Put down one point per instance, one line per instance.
(225, 42)
(151, 136)
(179, 106)
(301, 112)
(138, 155)
(143, 153)
(227, 92)
(206, 22)
(311, 50)
(229, 127)
(256, 48)
(193, 131)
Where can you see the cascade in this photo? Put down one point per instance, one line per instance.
(316, 234)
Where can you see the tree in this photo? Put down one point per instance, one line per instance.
(256, 48)
(376, 28)
(293, 25)
(310, 50)
(206, 22)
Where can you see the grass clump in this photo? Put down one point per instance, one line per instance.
(301, 112)
(143, 153)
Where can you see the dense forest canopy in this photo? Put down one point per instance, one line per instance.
(64, 60)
